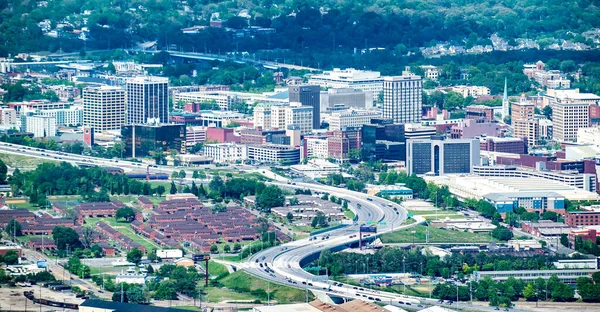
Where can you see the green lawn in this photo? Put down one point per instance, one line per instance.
(19, 161)
(148, 244)
(124, 228)
(216, 269)
(219, 294)
(110, 221)
(435, 236)
(442, 217)
(349, 214)
(245, 283)
(191, 308)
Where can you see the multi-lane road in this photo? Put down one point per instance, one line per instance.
(282, 264)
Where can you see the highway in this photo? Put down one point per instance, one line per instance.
(282, 264)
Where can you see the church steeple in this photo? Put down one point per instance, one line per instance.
(505, 104)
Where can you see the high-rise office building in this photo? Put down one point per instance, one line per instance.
(439, 156)
(103, 108)
(147, 100)
(403, 98)
(567, 117)
(383, 140)
(309, 96)
(143, 140)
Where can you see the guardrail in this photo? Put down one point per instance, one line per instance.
(339, 226)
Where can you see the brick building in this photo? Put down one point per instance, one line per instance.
(582, 218)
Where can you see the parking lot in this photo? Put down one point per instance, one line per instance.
(13, 299)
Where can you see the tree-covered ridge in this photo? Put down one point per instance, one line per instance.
(320, 25)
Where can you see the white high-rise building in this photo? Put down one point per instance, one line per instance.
(147, 100)
(567, 117)
(41, 126)
(103, 108)
(403, 98)
(350, 78)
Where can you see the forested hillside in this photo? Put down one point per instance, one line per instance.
(299, 24)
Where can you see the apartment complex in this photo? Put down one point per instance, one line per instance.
(403, 98)
(439, 156)
(147, 100)
(350, 78)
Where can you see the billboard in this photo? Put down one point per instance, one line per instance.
(169, 253)
(201, 257)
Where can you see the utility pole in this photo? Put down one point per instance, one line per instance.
(268, 293)
(121, 292)
(457, 296)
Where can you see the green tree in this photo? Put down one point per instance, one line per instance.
(135, 256)
(562, 292)
(529, 292)
(226, 248)
(564, 240)
(596, 277)
(547, 111)
(214, 248)
(174, 175)
(135, 294)
(64, 236)
(502, 233)
(271, 196)
(126, 213)
(237, 247)
(173, 189)
(3, 171)
(290, 217)
(320, 220)
(13, 228)
(11, 257)
(160, 190)
(182, 174)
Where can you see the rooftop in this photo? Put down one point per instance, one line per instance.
(125, 307)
